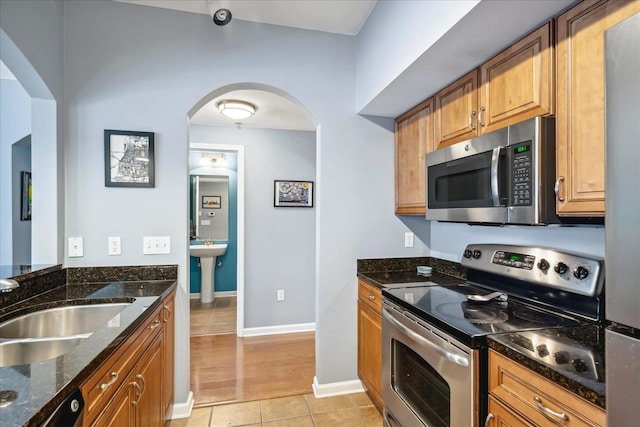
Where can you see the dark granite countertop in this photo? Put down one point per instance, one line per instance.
(580, 346)
(388, 272)
(43, 385)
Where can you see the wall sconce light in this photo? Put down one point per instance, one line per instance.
(237, 110)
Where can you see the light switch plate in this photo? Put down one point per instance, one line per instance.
(75, 247)
(156, 245)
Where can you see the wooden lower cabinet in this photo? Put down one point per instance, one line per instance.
(520, 397)
(370, 341)
(134, 387)
(168, 353)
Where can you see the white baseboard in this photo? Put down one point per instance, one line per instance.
(221, 294)
(280, 329)
(182, 410)
(336, 389)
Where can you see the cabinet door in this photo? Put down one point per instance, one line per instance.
(501, 416)
(456, 108)
(120, 410)
(414, 139)
(580, 116)
(518, 83)
(168, 353)
(370, 352)
(148, 398)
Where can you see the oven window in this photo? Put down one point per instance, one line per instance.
(420, 386)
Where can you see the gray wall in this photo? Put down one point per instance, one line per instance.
(140, 68)
(21, 162)
(280, 242)
(15, 120)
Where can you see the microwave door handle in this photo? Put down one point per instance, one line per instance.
(495, 164)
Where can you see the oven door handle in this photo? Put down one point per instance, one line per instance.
(459, 360)
(495, 187)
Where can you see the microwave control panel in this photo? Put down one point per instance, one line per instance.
(521, 174)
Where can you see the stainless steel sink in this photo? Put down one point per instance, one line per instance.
(20, 352)
(61, 321)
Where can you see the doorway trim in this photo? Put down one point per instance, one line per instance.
(239, 149)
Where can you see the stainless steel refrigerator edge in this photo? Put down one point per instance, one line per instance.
(622, 70)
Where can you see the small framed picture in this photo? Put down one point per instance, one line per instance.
(25, 196)
(128, 158)
(211, 202)
(293, 194)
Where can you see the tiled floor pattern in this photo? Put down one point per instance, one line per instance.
(217, 317)
(352, 410)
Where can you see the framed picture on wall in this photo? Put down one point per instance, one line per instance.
(211, 202)
(128, 158)
(25, 196)
(293, 194)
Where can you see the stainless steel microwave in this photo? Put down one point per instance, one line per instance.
(503, 177)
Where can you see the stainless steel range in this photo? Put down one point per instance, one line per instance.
(434, 360)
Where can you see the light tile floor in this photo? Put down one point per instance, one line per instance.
(352, 410)
(218, 317)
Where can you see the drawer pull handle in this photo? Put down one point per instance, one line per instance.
(546, 410)
(370, 297)
(480, 116)
(144, 383)
(488, 420)
(154, 325)
(167, 312)
(135, 384)
(114, 378)
(556, 188)
(471, 125)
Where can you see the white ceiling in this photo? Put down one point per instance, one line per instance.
(331, 16)
(273, 112)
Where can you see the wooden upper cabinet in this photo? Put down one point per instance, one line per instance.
(456, 108)
(580, 116)
(414, 139)
(518, 83)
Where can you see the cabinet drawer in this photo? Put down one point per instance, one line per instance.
(370, 296)
(528, 394)
(107, 379)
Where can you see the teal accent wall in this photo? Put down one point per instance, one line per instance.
(225, 276)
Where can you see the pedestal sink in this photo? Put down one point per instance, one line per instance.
(207, 255)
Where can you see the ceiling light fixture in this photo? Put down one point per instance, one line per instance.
(237, 110)
(210, 159)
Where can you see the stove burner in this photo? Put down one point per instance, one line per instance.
(535, 316)
(473, 313)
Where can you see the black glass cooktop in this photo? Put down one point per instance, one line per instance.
(449, 309)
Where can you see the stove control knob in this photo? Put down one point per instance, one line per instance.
(467, 253)
(579, 365)
(476, 254)
(561, 268)
(580, 273)
(543, 264)
(561, 357)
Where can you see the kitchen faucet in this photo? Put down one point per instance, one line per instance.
(8, 285)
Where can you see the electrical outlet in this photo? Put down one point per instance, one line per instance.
(75, 247)
(408, 239)
(280, 295)
(154, 245)
(115, 248)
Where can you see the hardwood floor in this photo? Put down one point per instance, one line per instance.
(225, 368)
(217, 317)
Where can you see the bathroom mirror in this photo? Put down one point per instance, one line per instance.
(209, 207)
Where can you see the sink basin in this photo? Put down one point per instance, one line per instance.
(215, 250)
(61, 321)
(26, 351)
(207, 255)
